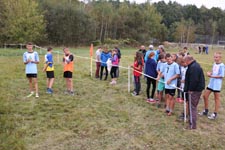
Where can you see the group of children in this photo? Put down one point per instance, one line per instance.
(164, 70)
(108, 60)
(167, 71)
(31, 59)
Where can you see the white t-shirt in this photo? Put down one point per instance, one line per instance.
(216, 83)
(183, 72)
(98, 55)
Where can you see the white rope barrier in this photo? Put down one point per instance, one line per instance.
(128, 68)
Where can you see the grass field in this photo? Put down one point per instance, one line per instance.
(99, 116)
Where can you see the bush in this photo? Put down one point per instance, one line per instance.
(96, 43)
(121, 42)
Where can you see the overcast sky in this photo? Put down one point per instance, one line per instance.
(207, 3)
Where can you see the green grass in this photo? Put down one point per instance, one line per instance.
(99, 116)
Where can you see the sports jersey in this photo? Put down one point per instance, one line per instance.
(169, 71)
(49, 59)
(31, 68)
(161, 66)
(68, 63)
(216, 83)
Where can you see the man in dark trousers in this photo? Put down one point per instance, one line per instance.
(194, 85)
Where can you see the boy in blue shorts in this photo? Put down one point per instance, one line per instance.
(49, 68)
(215, 84)
(31, 59)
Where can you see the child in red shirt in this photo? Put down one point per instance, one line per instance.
(137, 66)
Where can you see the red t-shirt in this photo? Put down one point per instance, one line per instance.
(136, 64)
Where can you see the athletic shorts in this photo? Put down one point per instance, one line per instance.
(215, 91)
(68, 74)
(170, 91)
(161, 85)
(31, 75)
(50, 74)
(186, 95)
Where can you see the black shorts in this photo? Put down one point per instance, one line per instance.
(68, 74)
(170, 91)
(31, 75)
(215, 91)
(50, 74)
(186, 95)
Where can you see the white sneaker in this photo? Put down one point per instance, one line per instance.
(151, 101)
(112, 82)
(212, 116)
(31, 93)
(134, 94)
(36, 95)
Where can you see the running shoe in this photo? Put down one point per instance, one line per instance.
(31, 93)
(203, 113)
(152, 101)
(212, 116)
(36, 95)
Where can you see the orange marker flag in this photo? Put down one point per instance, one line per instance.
(91, 50)
(91, 54)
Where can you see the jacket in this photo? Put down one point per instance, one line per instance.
(194, 78)
(104, 58)
(150, 68)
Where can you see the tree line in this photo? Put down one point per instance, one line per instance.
(73, 22)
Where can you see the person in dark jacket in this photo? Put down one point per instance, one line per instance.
(142, 50)
(150, 70)
(194, 85)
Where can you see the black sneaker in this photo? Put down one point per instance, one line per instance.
(181, 117)
(158, 105)
(72, 93)
(167, 111)
(203, 113)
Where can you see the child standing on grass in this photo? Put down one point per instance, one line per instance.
(215, 84)
(176, 58)
(115, 63)
(171, 73)
(31, 59)
(150, 70)
(183, 69)
(105, 55)
(161, 85)
(137, 66)
(49, 68)
(68, 70)
(98, 62)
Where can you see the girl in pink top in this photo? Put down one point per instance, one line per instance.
(115, 62)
